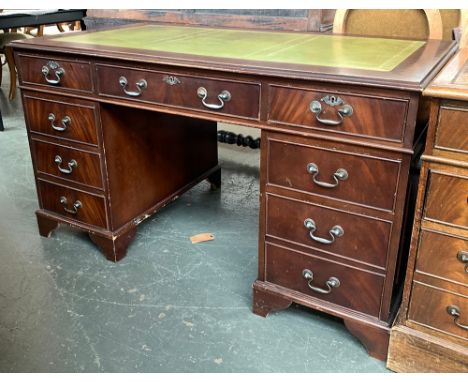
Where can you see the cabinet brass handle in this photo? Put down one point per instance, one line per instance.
(335, 231)
(141, 84)
(331, 100)
(58, 71)
(71, 165)
(66, 121)
(454, 311)
(76, 206)
(462, 256)
(223, 97)
(332, 282)
(340, 174)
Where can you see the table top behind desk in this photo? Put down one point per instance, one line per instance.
(34, 17)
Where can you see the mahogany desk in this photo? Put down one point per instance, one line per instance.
(122, 121)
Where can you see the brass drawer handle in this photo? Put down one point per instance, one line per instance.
(58, 71)
(71, 165)
(454, 311)
(224, 96)
(76, 206)
(141, 84)
(462, 256)
(335, 231)
(332, 282)
(66, 121)
(340, 174)
(331, 100)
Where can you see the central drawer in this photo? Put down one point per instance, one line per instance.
(362, 238)
(330, 281)
(214, 95)
(333, 172)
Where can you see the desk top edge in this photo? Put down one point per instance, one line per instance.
(413, 73)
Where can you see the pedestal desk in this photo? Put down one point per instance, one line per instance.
(431, 334)
(122, 121)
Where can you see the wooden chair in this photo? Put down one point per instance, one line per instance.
(5, 39)
(418, 24)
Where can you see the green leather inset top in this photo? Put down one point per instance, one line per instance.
(292, 48)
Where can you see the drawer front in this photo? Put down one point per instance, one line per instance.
(333, 173)
(74, 122)
(220, 96)
(443, 256)
(447, 199)
(382, 118)
(64, 201)
(55, 72)
(67, 163)
(432, 307)
(358, 290)
(452, 127)
(362, 239)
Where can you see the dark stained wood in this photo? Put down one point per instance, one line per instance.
(92, 211)
(375, 339)
(154, 147)
(87, 170)
(438, 256)
(82, 126)
(149, 156)
(383, 118)
(115, 247)
(265, 302)
(215, 180)
(291, 172)
(429, 307)
(447, 199)
(77, 74)
(46, 226)
(358, 290)
(244, 100)
(370, 248)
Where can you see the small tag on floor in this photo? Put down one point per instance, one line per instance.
(201, 237)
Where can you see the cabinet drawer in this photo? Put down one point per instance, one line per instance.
(362, 239)
(68, 163)
(382, 118)
(430, 307)
(220, 96)
(56, 72)
(447, 199)
(64, 201)
(452, 127)
(444, 256)
(333, 173)
(65, 120)
(358, 289)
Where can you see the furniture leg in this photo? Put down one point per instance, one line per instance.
(215, 179)
(46, 225)
(115, 247)
(265, 301)
(374, 338)
(11, 66)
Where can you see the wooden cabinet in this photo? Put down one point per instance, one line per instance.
(434, 312)
(117, 132)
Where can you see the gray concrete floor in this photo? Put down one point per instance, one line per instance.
(169, 306)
